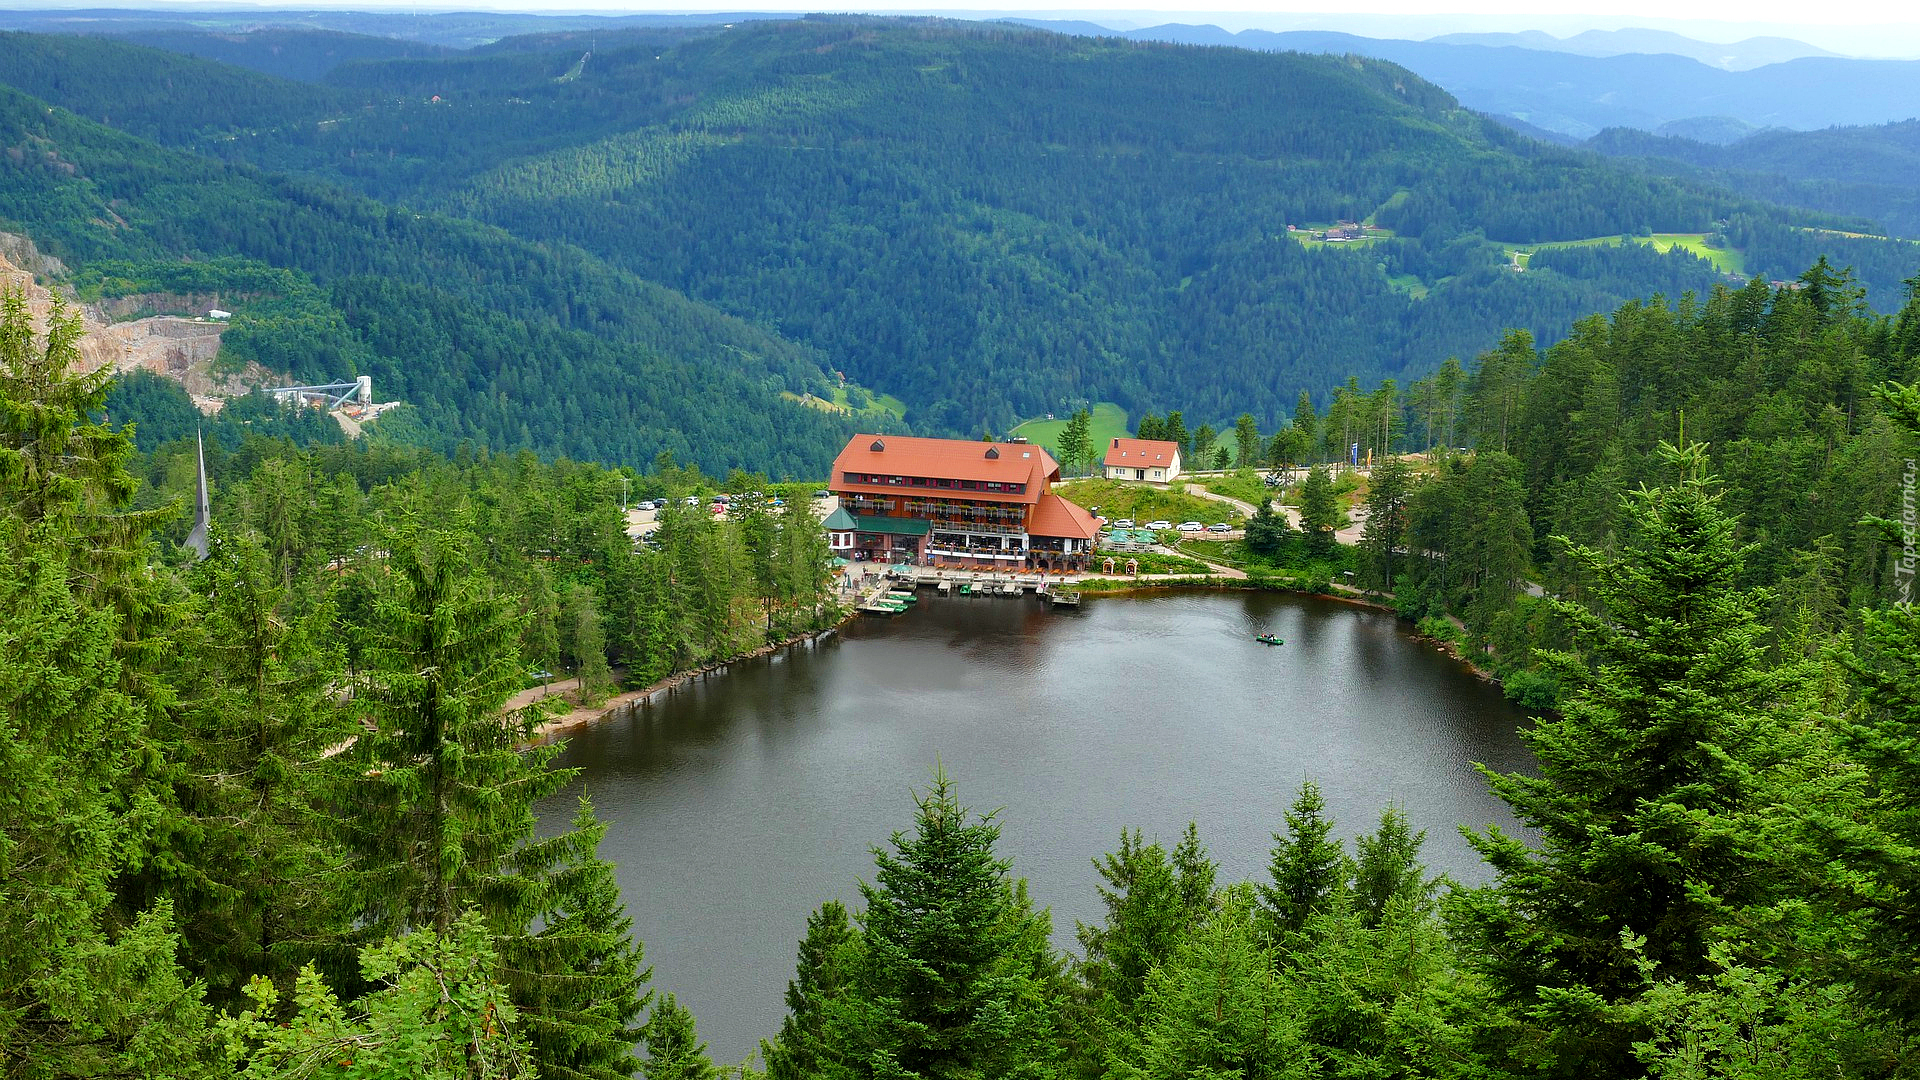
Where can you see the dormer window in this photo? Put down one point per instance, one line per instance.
(877, 446)
(993, 454)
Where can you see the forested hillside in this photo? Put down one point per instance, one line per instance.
(985, 222)
(1867, 172)
(497, 341)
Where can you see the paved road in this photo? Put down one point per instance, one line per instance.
(1356, 517)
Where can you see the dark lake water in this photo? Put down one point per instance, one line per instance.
(739, 803)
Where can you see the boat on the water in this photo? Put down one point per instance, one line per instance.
(1269, 639)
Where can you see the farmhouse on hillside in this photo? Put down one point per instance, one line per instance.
(1143, 459)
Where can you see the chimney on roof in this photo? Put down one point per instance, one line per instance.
(1116, 442)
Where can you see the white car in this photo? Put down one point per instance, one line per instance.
(1219, 526)
(1191, 526)
(1158, 525)
(1123, 523)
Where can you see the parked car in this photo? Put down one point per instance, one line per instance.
(823, 493)
(1158, 525)
(1123, 523)
(1219, 526)
(1191, 526)
(692, 500)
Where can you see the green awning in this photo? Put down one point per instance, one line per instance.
(892, 526)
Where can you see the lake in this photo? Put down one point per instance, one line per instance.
(739, 802)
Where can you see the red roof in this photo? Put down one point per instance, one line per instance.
(946, 459)
(1142, 453)
(1055, 516)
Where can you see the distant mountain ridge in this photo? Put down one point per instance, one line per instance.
(1581, 96)
(1742, 55)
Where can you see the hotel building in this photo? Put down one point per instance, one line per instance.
(955, 502)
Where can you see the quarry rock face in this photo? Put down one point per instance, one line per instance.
(179, 347)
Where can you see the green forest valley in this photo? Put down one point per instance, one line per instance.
(703, 235)
(1638, 445)
(265, 815)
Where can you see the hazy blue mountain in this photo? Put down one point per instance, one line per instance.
(1583, 95)
(455, 30)
(1739, 56)
(307, 55)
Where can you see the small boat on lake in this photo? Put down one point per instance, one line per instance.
(1269, 639)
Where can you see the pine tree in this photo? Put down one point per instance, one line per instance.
(1319, 512)
(1246, 442)
(673, 1051)
(957, 976)
(578, 980)
(1386, 527)
(1387, 870)
(828, 963)
(1655, 785)
(1307, 871)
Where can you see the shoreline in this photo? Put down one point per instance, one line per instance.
(581, 716)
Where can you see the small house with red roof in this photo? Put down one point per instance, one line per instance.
(1142, 459)
(955, 502)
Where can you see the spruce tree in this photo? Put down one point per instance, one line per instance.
(673, 1051)
(1319, 512)
(957, 977)
(1386, 527)
(1655, 784)
(1076, 443)
(445, 797)
(1215, 1008)
(1246, 442)
(1387, 870)
(1307, 871)
(255, 877)
(829, 960)
(578, 978)
(443, 814)
(89, 983)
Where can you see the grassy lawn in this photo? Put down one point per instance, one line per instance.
(1246, 485)
(1725, 260)
(1409, 284)
(1109, 422)
(1143, 504)
(841, 402)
